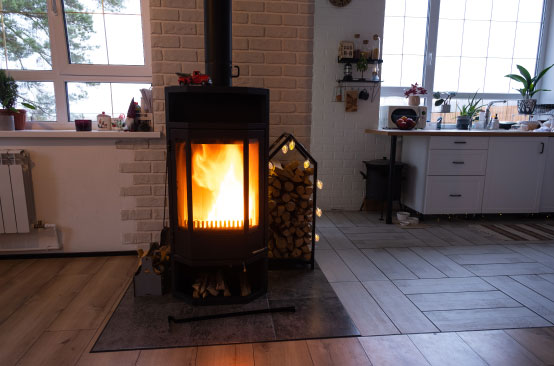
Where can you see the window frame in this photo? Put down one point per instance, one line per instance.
(433, 12)
(63, 71)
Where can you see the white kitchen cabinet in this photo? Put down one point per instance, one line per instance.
(514, 174)
(453, 194)
(547, 196)
(466, 174)
(445, 175)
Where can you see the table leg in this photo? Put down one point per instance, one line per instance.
(390, 193)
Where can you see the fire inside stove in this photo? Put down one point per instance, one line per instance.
(218, 186)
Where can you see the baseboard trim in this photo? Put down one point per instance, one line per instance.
(67, 255)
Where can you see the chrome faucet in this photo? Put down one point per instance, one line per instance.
(488, 113)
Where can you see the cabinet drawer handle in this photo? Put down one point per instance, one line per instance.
(458, 162)
(460, 142)
(542, 147)
(455, 195)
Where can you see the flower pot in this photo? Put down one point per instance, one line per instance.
(463, 122)
(413, 100)
(445, 108)
(19, 117)
(526, 106)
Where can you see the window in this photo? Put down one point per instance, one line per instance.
(460, 46)
(76, 58)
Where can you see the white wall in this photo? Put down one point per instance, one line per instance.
(76, 184)
(338, 141)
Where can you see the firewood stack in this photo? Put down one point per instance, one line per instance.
(290, 211)
(215, 284)
(210, 284)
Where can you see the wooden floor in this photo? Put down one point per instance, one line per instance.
(52, 310)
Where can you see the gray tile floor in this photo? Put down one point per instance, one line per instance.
(441, 276)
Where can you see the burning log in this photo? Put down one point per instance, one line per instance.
(290, 211)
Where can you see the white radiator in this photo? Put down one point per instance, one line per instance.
(16, 192)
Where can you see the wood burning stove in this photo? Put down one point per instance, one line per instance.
(217, 146)
(218, 143)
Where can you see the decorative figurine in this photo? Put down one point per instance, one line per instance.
(196, 78)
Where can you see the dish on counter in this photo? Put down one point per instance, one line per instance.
(506, 125)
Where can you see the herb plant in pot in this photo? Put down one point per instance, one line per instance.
(362, 66)
(468, 112)
(443, 102)
(529, 89)
(8, 97)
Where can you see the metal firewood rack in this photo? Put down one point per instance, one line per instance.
(285, 144)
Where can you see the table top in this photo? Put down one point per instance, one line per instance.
(453, 132)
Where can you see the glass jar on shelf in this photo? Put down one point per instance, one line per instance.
(376, 47)
(357, 45)
(365, 51)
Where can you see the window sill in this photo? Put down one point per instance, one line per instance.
(79, 134)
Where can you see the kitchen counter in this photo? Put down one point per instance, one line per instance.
(453, 132)
(507, 142)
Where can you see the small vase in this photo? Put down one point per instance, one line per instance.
(445, 108)
(413, 100)
(19, 119)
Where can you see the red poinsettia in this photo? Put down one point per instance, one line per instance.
(415, 90)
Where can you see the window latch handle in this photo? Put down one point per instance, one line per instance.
(55, 7)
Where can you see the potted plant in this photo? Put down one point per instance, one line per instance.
(362, 66)
(413, 94)
(444, 103)
(467, 112)
(8, 97)
(529, 89)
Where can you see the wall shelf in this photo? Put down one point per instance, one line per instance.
(355, 60)
(343, 86)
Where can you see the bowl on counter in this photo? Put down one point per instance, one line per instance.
(506, 125)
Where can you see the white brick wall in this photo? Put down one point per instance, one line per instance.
(272, 44)
(338, 141)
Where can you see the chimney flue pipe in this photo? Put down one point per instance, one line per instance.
(217, 40)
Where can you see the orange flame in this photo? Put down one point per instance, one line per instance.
(218, 186)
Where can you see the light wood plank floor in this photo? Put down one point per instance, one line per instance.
(55, 318)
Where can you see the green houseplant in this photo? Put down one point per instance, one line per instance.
(443, 102)
(468, 112)
(362, 66)
(529, 88)
(8, 97)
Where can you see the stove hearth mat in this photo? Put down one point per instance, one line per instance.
(142, 323)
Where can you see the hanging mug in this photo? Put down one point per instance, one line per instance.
(364, 94)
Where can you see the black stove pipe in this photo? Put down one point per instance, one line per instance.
(217, 41)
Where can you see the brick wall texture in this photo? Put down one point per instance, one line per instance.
(272, 45)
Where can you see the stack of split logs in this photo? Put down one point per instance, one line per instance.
(290, 211)
(214, 284)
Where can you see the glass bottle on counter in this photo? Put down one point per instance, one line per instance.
(376, 47)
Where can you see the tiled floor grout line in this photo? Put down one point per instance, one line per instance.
(410, 249)
(365, 289)
(528, 308)
(458, 241)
